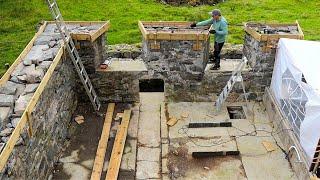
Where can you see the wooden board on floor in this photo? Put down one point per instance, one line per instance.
(117, 151)
(103, 144)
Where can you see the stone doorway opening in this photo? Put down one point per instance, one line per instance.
(151, 85)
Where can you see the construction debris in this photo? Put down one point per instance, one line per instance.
(79, 119)
(269, 146)
(172, 121)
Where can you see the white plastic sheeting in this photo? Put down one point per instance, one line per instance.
(296, 86)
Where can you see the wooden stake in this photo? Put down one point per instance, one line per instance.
(103, 144)
(117, 151)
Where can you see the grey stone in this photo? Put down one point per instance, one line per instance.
(22, 78)
(6, 132)
(5, 113)
(28, 69)
(35, 76)
(35, 55)
(18, 70)
(9, 125)
(22, 103)
(52, 44)
(15, 121)
(8, 88)
(5, 139)
(30, 88)
(42, 40)
(6, 100)
(45, 65)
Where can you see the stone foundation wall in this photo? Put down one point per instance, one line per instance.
(34, 158)
(213, 82)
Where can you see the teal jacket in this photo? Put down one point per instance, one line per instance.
(221, 27)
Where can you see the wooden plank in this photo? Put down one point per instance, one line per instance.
(300, 30)
(103, 144)
(105, 25)
(24, 118)
(100, 31)
(142, 30)
(117, 151)
(26, 50)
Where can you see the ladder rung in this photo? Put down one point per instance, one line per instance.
(51, 5)
(58, 16)
(72, 50)
(94, 99)
(81, 71)
(90, 90)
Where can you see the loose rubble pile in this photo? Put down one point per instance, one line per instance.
(16, 93)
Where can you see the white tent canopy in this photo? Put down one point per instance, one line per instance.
(296, 86)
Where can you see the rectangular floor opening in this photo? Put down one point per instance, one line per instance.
(236, 112)
(151, 85)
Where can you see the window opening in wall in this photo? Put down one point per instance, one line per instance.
(236, 112)
(151, 85)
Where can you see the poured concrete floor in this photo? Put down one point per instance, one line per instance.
(155, 151)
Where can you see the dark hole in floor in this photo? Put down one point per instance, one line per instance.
(236, 112)
(151, 85)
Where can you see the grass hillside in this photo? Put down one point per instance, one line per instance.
(18, 18)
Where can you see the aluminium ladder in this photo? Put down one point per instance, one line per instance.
(235, 77)
(73, 53)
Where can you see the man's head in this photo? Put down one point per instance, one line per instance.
(216, 14)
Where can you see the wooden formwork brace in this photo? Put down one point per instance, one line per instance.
(117, 151)
(197, 45)
(103, 144)
(155, 44)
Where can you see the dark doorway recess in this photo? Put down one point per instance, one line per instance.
(236, 112)
(151, 85)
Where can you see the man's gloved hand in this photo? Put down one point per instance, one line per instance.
(193, 25)
(212, 31)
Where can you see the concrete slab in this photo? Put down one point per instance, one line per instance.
(149, 122)
(147, 170)
(149, 129)
(271, 166)
(148, 154)
(252, 145)
(125, 66)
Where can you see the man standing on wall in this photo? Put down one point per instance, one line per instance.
(220, 32)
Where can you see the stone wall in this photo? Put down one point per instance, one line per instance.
(34, 158)
(212, 83)
(259, 58)
(176, 63)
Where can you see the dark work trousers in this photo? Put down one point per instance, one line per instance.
(216, 53)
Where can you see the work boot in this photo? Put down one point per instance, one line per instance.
(215, 67)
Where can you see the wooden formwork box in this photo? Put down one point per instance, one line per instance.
(271, 40)
(197, 35)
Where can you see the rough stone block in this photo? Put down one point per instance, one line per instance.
(128, 161)
(22, 103)
(6, 100)
(9, 88)
(5, 113)
(30, 88)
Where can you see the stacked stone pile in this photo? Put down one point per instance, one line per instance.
(124, 51)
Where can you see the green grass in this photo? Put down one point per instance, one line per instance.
(18, 18)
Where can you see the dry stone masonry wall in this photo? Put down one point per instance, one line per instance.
(33, 158)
